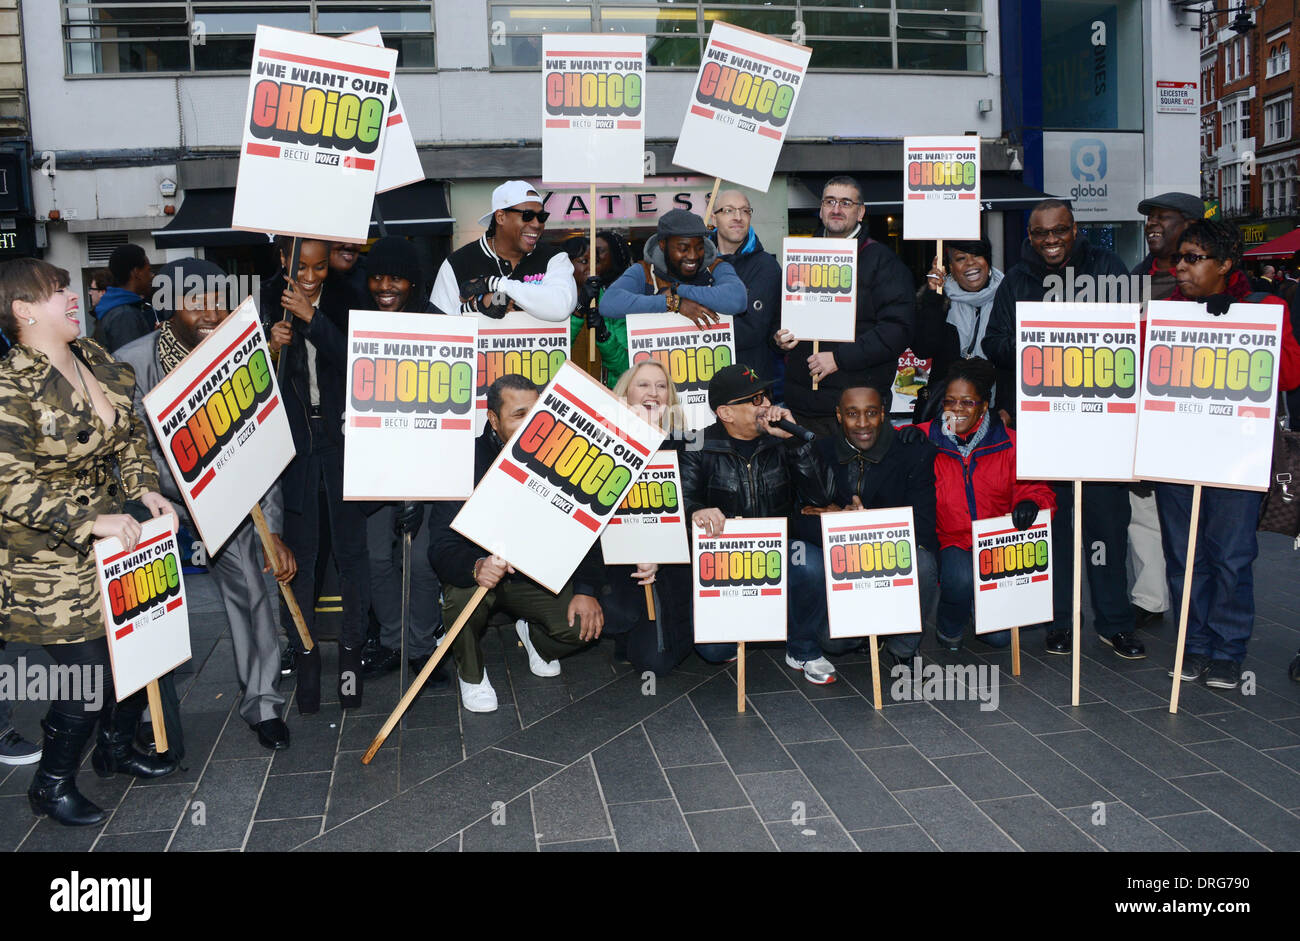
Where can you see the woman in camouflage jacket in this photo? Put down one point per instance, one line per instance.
(72, 452)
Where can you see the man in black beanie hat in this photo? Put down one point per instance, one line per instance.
(395, 278)
(193, 294)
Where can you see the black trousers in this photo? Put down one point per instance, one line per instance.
(92, 689)
(661, 644)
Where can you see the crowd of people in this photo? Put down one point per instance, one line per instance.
(78, 460)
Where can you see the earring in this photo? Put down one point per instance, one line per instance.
(30, 321)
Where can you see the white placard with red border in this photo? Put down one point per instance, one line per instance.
(649, 525)
(819, 288)
(593, 108)
(1177, 98)
(1078, 368)
(520, 344)
(143, 597)
(871, 579)
(314, 131)
(739, 582)
(222, 426)
(941, 187)
(559, 479)
(400, 164)
(1013, 572)
(741, 105)
(410, 406)
(690, 355)
(1209, 394)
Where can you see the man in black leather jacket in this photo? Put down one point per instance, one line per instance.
(746, 467)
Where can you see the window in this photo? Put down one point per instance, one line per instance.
(864, 35)
(119, 37)
(1279, 58)
(1277, 120)
(1279, 180)
(1230, 123)
(1228, 180)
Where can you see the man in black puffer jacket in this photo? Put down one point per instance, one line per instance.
(886, 311)
(1054, 256)
(748, 468)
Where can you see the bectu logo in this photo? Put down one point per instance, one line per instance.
(1088, 166)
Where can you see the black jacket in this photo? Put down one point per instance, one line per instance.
(783, 474)
(328, 332)
(1026, 281)
(761, 273)
(889, 474)
(127, 316)
(886, 310)
(452, 556)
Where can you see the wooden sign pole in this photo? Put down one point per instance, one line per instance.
(156, 714)
(875, 674)
(591, 262)
(740, 676)
(816, 350)
(650, 601)
(1015, 651)
(708, 210)
(1077, 600)
(268, 548)
(1187, 597)
(939, 289)
(290, 277)
(391, 722)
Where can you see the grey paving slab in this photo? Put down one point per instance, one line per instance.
(228, 792)
(855, 796)
(747, 744)
(1206, 832)
(651, 827)
(313, 740)
(581, 846)
(426, 752)
(953, 821)
(1257, 770)
(791, 717)
(716, 696)
(357, 788)
(901, 767)
(508, 828)
(817, 835)
(569, 806)
(763, 675)
(1051, 776)
(730, 831)
(905, 839)
(149, 842)
(434, 710)
(628, 770)
(484, 729)
(930, 731)
(1139, 787)
(1289, 756)
(1255, 731)
(294, 795)
(201, 731)
(859, 723)
(1181, 727)
(706, 787)
(1036, 826)
(1120, 829)
(539, 702)
(1193, 698)
(50, 837)
(278, 836)
(146, 808)
(1276, 828)
(783, 795)
(449, 845)
(1138, 740)
(16, 821)
(981, 777)
(679, 736)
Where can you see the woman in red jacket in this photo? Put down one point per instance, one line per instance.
(975, 478)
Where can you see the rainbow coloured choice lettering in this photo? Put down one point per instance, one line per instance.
(1203, 366)
(747, 87)
(588, 88)
(818, 278)
(299, 112)
(218, 409)
(650, 498)
(867, 555)
(426, 378)
(1094, 372)
(1007, 555)
(538, 366)
(940, 171)
(148, 577)
(742, 561)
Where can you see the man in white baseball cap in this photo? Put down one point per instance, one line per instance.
(508, 268)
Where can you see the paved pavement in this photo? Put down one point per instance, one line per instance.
(596, 760)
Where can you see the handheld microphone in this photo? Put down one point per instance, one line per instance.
(799, 431)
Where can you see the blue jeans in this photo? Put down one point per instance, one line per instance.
(957, 596)
(1106, 515)
(1221, 614)
(805, 608)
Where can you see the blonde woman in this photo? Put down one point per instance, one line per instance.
(661, 644)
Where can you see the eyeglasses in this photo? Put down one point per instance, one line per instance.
(733, 211)
(1060, 232)
(1190, 257)
(964, 405)
(758, 398)
(528, 215)
(830, 202)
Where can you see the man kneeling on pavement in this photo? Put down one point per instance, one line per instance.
(550, 626)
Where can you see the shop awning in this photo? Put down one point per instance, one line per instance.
(1284, 246)
(883, 192)
(203, 219)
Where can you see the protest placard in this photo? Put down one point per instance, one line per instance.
(400, 163)
(1209, 393)
(222, 425)
(740, 582)
(649, 525)
(521, 345)
(1076, 405)
(314, 131)
(741, 105)
(911, 376)
(1013, 572)
(559, 478)
(143, 595)
(871, 580)
(410, 406)
(819, 290)
(941, 187)
(690, 355)
(593, 108)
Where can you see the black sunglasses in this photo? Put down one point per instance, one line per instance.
(1190, 257)
(528, 215)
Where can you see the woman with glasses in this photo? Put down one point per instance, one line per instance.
(975, 468)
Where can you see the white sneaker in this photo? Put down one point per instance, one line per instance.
(539, 666)
(478, 697)
(820, 671)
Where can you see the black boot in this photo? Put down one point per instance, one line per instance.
(54, 791)
(115, 750)
(350, 676)
(308, 681)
